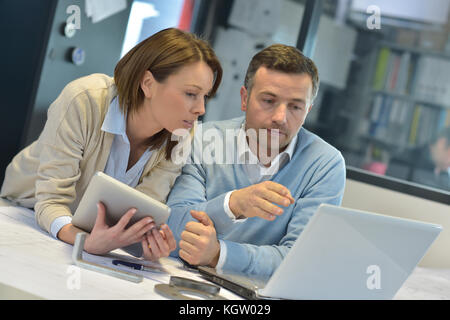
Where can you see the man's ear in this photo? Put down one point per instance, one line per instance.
(147, 83)
(244, 95)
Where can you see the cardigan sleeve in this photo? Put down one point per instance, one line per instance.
(62, 144)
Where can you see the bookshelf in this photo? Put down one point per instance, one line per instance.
(396, 98)
(416, 50)
(409, 99)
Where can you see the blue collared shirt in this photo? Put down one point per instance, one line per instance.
(116, 167)
(256, 173)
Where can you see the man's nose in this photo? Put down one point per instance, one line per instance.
(280, 114)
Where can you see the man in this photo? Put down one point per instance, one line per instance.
(245, 216)
(428, 164)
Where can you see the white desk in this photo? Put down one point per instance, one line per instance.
(33, 264)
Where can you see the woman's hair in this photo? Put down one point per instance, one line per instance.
(163, 54)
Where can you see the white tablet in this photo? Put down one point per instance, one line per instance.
(118, 198)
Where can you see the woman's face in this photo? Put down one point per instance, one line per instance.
(177, 102)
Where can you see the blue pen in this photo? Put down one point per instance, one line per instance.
(138, 266)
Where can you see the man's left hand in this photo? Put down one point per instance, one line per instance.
(199, 244)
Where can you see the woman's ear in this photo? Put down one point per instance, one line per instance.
(244, 100)
(147, 84)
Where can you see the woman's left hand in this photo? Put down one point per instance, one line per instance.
(158, 243)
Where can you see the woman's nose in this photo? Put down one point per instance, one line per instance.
(200, 108)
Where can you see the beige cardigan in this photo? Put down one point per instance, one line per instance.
(52, 173)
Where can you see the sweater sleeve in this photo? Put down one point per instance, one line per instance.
(62, 143)
(189, 193)
(326, 186)
(160, 179)
(158, 182)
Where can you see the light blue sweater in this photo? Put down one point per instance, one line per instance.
(314, 175)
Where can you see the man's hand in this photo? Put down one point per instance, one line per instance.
(199, 244)
(259, 200)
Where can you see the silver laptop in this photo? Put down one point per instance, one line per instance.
(341, 254)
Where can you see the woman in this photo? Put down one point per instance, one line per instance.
(120, 126)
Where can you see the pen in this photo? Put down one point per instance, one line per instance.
(138, 266)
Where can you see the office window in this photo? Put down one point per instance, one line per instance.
(150, 16)
(384, 65)
(385, 92)
(251, 25)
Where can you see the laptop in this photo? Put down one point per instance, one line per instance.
(341, 254)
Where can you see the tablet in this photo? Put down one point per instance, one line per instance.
(118, 198)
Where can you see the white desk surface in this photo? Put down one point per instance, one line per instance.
(33, 262)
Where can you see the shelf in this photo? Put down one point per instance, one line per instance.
(384, 144)
(416, 50)
(412, 99)
(348, 115)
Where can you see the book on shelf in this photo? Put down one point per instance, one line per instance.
(427, 121)
(393, 71)
(444, 119)
(433, 80)
(381, 68)
(404, 79)
(404, 124)
(414, 125)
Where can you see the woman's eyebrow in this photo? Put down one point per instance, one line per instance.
(194, 85)
(198, 87)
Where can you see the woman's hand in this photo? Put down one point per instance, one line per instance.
(158, 243)
(104, 238)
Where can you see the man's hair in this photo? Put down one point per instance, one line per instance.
(288, 59)
(163, 54)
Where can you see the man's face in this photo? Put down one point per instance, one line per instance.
(440, 153)
(277, 100)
